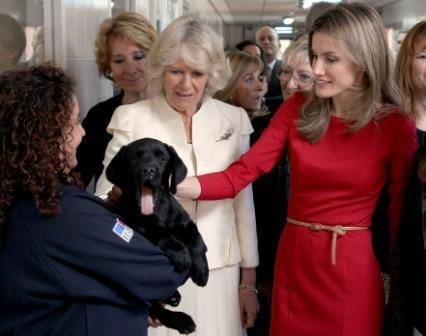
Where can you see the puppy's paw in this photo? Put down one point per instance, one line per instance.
(200, 273)
(173, 300)
(181, 260)
(182, 323)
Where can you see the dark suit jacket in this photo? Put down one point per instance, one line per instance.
(273, 98)
(406, 308)
(91, 152)
(270, 196)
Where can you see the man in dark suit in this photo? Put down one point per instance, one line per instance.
(267, 38)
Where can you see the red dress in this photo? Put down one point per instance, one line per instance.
(336, 181)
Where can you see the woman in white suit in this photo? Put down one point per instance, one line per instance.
(186, 66)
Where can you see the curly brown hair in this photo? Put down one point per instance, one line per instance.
(35, 108)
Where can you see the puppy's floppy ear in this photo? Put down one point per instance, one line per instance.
(177, 169)
(116, 170)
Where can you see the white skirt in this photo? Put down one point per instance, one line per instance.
(214, 308)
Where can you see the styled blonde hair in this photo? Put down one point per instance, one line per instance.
(192, 40)
(239, 62)
(403, 64)
(361, 31)
(298, 49)
(132, 26)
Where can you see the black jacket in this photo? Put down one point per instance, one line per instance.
(406, 307)
(273, 97)
(91, 152)
(81, 272)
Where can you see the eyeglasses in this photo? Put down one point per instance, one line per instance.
(302, 79)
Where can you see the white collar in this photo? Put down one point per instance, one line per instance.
(271, 65)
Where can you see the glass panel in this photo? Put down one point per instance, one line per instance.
(119, 6)
(22, 33)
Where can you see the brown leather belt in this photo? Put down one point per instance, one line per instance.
(337, 231)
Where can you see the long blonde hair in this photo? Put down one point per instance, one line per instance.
(239, 62)
(403, 64)
(297, 50)
(361, 30)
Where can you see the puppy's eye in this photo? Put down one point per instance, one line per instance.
(161, 157)
(137, 156)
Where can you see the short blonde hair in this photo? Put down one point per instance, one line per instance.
(361, 31)
(239, 62)
(404, 61)
(298, 49)
(191, 39)
(132, 26)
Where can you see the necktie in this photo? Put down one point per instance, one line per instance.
(267, 73)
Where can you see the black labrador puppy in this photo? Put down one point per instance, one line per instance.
(147, 172)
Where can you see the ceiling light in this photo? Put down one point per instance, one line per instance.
(288, 20)
(284, 30)
(308, 3)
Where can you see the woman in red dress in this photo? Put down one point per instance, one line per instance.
(345, 142)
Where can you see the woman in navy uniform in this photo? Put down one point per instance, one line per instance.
(68, 265)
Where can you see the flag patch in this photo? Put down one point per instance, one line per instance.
(123, 231)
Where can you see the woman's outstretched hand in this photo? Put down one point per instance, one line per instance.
(190, 188)
(114, 196)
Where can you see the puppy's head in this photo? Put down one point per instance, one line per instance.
(144, 167)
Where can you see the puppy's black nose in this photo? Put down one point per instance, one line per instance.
(148, 171)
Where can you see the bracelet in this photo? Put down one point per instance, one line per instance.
(249, 288)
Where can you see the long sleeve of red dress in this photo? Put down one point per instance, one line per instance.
(260, 159)
(342, 169)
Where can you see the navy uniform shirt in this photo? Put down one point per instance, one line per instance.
(81, 272)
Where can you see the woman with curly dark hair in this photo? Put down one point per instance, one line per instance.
(68, 265)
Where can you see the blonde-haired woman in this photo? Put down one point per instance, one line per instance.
(406, 308)
(296, 73)
(345, 141)
(186, 67)
(121, 47)
(247, 86)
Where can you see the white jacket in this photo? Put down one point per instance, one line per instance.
(220, 134)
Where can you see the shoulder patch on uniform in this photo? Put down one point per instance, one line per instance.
(123, 231)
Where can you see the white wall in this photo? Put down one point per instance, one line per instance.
(76, 23)
(404, 14)
(234, 34)
(15, 8)
(205, 9)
